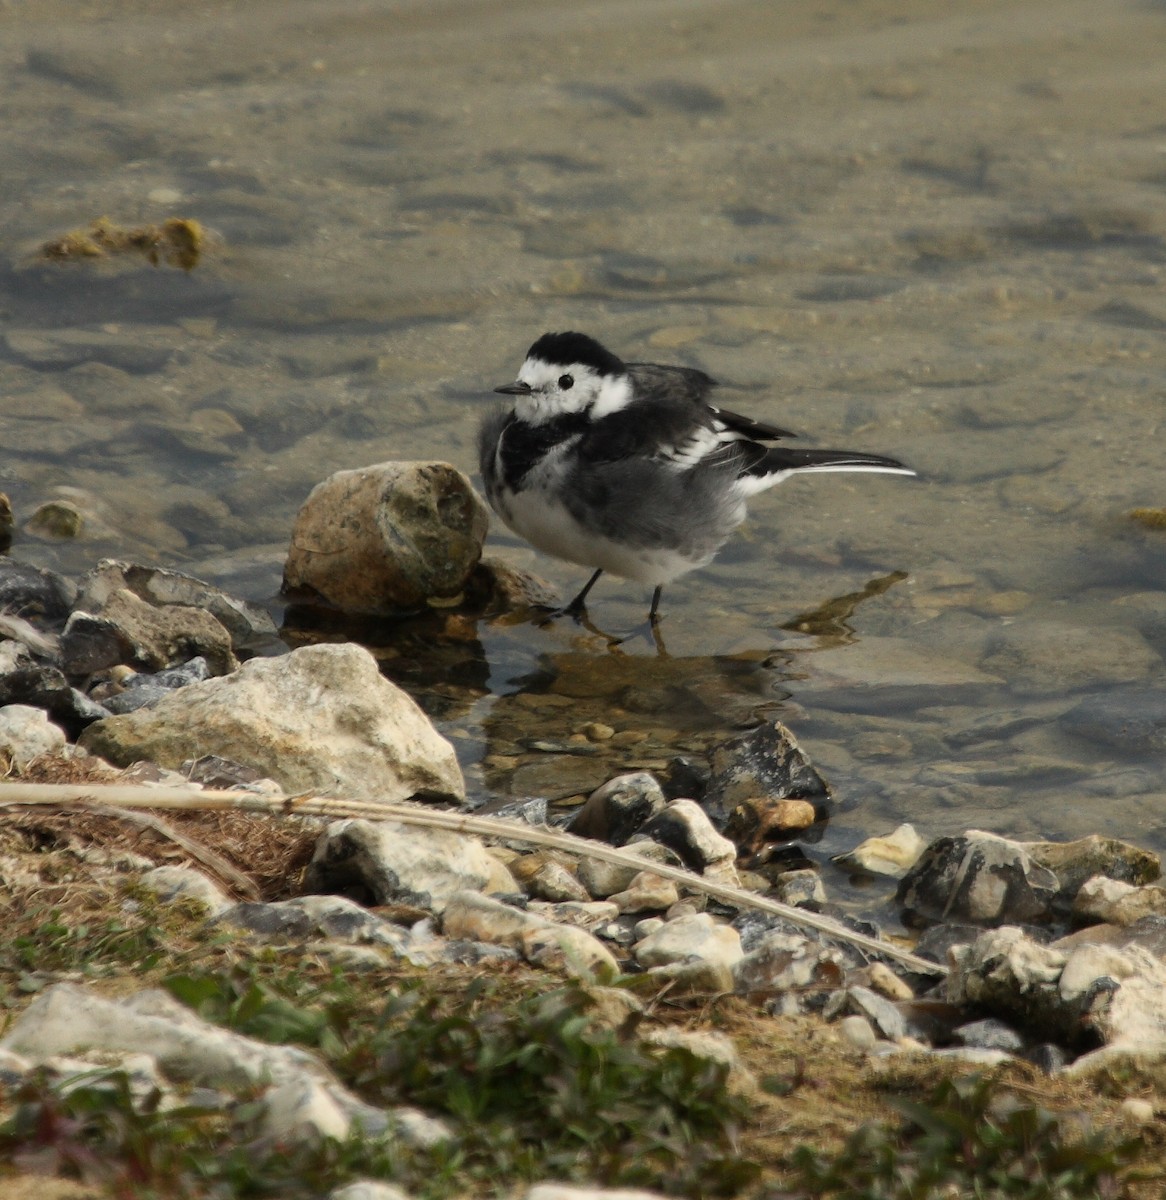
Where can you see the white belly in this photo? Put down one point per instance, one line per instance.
(547, 525)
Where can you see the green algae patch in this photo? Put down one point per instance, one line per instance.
(1148, 518)
(177, 242)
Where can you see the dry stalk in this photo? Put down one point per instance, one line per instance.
(195, 799)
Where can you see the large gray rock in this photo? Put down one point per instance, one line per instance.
(246, 624)
(386, 539)
(396, 864)
(302, 1094)
(1075, 991)
(27, 733)
(321, 719)
(131, 630)
(977, 877)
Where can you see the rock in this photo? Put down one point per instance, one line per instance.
(618, 809)
(1007, 974)
(303, 1108)
(141, 690)
(712, 1047)
(392, 863)
(171, 883)
(892, 855)
(387, 539)
(368, 1189)
(691, 978)
(783, 962)
(1039, 656)
(1075, 862)
(55, 520)
(7, 522)
(646, 893)
(878, 1010)
(321, 719)
(1132, 720)
(67, 1019)
(696, 936)
(331, 917)
(684, 827)
(604, 879)
(758, 820)
(27, 733)
(766, 761)
(129, 630)
(497, 587)
(34, 593)
(1115, 902)
(1137, 1110)
(884, 981)
(553, 882)
(989, 1034)
(1071, 994)
(569, 949)
(589, 915)
(802, 889)
(977, 877)
(858, 1031)
(479, 918)
(248, 626)
(566, 1191)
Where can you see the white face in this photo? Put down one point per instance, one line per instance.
(555, 390)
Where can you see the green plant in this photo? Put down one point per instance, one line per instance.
(970, 1141)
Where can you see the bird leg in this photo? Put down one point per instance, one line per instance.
(653, 613)
(577, 606)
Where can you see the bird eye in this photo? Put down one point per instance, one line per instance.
(566, 382)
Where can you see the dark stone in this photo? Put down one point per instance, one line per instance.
(934, 943)
(766, 761)
(977, 877)
(46, 687)
(618, 809)
(143, 690)
(91, 644)
(684, 778)
(33, 593)
(1049, 1058)
(215, 772)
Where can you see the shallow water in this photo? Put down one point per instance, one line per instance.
(920, 230)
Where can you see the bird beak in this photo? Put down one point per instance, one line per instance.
(514, 389)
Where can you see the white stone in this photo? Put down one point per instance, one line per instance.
(400, 863)
(646, 892)
(695, 936)
(303, 1108)
(1090, 962)
(566, 1191)
(858, 1031)
(479, 918)
(321, 719)
(1116, 902)
(27, 733)
(893, 854)
(368, 1189)
(171, 883)
(69, 1020)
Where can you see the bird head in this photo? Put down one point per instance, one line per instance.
(568, 373)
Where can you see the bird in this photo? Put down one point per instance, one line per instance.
(628, 467)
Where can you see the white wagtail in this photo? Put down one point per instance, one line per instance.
(626, 467)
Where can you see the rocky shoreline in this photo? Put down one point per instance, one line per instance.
(141, 688)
